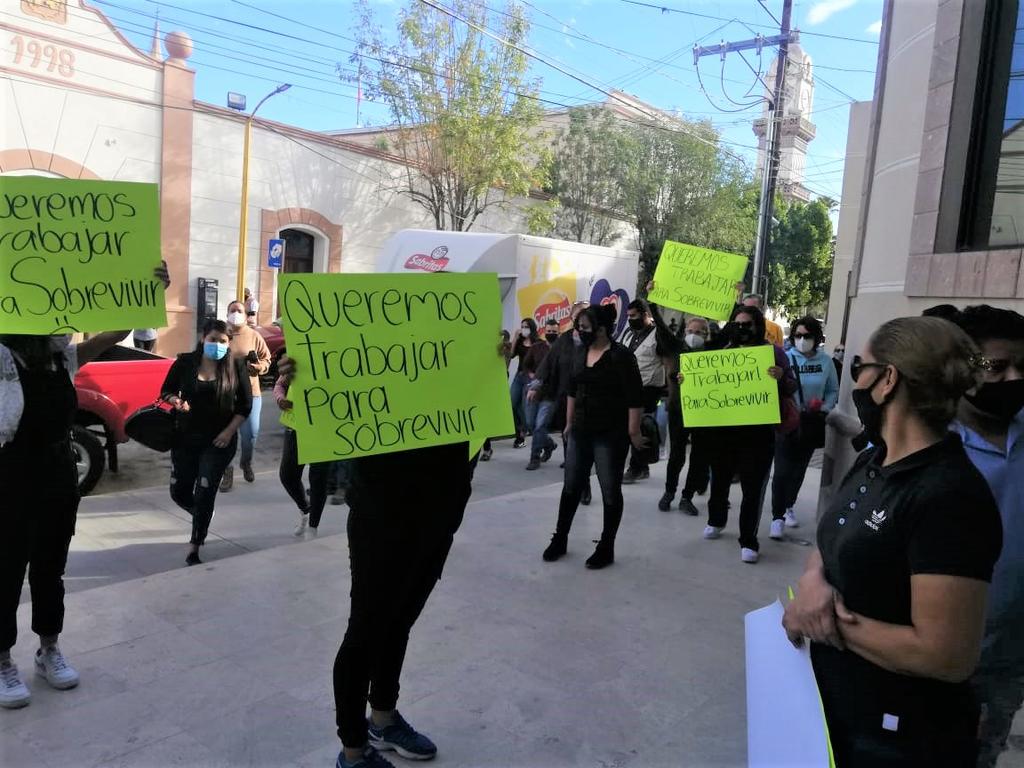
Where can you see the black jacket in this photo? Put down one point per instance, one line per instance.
(556, 369)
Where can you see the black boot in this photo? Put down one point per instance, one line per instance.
(557, 548)
(604, 555)
(585, 499)
(665, 502)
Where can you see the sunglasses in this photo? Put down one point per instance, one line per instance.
(859, 365)
(996, 365)
(803, 335)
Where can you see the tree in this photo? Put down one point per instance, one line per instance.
(800, 257)
(465, 113)
(678, 184)
(584, 178)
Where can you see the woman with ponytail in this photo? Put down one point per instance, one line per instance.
(603, 411)
(210, 389)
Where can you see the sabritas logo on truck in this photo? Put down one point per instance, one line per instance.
(435, 262)
(555, 305)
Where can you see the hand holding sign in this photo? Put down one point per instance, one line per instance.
(79, 256)
(697, 280)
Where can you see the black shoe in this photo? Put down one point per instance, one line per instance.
(551, 447)
(193, 559)
(585, 499)
(485, 454)
(629, 478)
(665, 502)
(687, 507)
(604, 555)
(559, 546)
(519, 442)
(534, 463)
(645, 473)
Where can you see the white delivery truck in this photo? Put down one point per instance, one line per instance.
(538, 277)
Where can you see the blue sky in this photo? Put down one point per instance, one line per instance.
(653, 58)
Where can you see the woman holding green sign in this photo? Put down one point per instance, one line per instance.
(746, 451)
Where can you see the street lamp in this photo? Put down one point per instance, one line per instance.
(244, 218)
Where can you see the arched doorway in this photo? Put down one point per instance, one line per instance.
(298, 251)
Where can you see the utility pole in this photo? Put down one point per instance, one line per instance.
(776, 108)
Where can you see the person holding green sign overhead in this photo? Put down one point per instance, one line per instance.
(603, 411)
(746, 451)
(39, 496)
(893, 599)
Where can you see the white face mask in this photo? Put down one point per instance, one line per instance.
(804, 346)
(694, 341)
(236, 318)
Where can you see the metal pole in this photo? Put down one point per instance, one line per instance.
(763, 218)
(243, 219)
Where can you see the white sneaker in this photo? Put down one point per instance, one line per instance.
(749, 555)
(790, 518)
(13, 692)
(51, 664)
(778, 531)
(303, 524)
(712, 532)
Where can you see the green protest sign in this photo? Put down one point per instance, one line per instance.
(697, 280)
(729, 387)
(78, 256)
(393, 362)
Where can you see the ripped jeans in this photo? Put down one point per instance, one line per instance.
(197, 466)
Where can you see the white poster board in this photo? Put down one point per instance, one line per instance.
(785, 721)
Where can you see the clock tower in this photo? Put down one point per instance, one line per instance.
(795, 129)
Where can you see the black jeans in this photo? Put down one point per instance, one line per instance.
(606, 452)
(197, 466)
(290, 473)
(747, 451)
(699, 474)
(396, 556)
(38, 508)
(792, 455)
(651, 396)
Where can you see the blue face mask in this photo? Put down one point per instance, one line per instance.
(214, 350)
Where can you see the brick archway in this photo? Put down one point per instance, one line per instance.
(271, 223)
(40, 160)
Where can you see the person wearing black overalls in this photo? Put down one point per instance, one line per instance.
(893, 599)
(39, 498)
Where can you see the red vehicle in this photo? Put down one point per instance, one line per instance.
(273, 334)
(110, 389)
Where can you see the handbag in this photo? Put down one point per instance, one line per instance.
(812, 423)
(153, 425)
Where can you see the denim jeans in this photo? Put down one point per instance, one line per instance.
(197, 467)
(517, 391)
(249, 431)
(607, 453)
(542, 412)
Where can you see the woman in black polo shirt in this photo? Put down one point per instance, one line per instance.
(603, 412)
(893, 599)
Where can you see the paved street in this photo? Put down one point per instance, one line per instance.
(515, 662)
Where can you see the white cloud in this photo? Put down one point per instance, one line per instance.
(875, 28)
(822, 11)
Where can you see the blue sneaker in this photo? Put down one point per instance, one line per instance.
(371, 759)
(403, 739)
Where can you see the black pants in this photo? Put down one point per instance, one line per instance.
(606, 452)
(651, 396)
(792, 455)
(396, 556)
(197, 466)
(38, 508)
(290, 473)
(748, 452)
(699, 474)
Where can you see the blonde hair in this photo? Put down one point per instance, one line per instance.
(936, 360)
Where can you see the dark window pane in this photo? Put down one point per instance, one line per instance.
(298, 251)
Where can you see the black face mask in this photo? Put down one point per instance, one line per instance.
(742, 335)
(636, 323)
(550, 336)
(1001, 399)
(587, 337)
(870, 412)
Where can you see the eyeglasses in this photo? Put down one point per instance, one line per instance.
(803, 335)
(859, 365)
